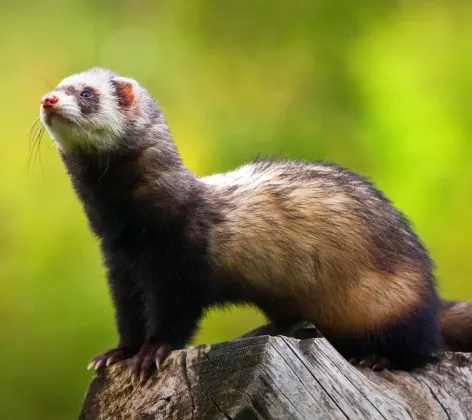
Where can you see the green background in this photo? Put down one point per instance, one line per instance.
(383, 88)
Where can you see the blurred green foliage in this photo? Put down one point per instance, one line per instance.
(381, 88)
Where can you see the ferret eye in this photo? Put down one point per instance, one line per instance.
(86, 94)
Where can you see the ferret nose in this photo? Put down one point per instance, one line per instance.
(49, 100)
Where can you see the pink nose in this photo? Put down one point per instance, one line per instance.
(49, 100)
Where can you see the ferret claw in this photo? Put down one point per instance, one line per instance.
(99, 364)
(149, 357)
(106, 359)
(375, 363)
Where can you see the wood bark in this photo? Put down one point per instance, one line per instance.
(280, 372)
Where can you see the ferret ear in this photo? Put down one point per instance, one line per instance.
(126, 90)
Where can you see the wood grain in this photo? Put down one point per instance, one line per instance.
(267, 375)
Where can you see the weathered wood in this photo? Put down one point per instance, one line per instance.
(260, 376)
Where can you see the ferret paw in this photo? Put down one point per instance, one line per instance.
(150, 356)
(373, 362)
(108, 358)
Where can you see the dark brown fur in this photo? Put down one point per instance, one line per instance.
(456, 325)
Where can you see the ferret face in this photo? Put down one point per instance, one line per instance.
(93, 110)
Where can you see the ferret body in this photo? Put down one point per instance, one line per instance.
(300, 240)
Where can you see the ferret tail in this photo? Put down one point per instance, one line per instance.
(456, 325)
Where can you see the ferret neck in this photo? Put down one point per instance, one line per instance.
(139, 186)
(129, 166)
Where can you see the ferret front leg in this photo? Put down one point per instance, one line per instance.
(130, 321)
(173, 308)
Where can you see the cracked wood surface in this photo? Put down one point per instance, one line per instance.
(267, 375)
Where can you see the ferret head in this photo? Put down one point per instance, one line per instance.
(97, 110)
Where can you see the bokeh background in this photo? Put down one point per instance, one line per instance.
(383, 88)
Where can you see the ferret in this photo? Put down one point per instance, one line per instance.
(299, 240)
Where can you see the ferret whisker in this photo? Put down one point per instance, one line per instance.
(33, 128)
(36, 149)
(74, 120)
(34, 136)
(32, 142)
(39, 153)
(106, 168)
(47, 83)
(35, 122)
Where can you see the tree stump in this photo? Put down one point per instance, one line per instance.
(280, 372)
